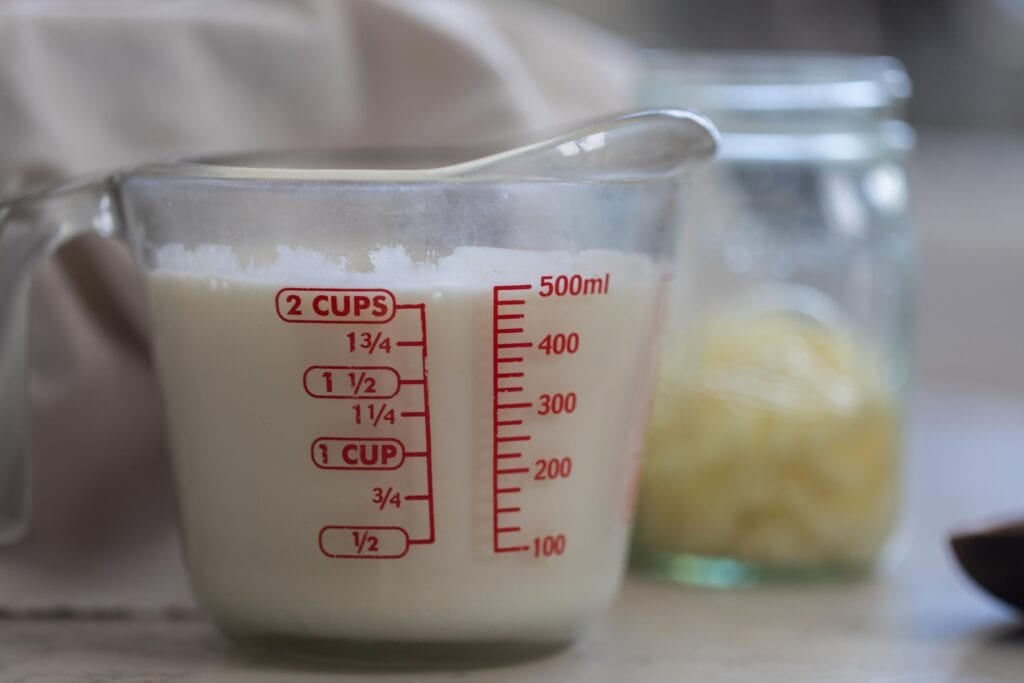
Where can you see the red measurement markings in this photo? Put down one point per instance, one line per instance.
(364, 542)
(337, 453)
(337, 306)
(574, 285)
(427, 453)
(354, 306)
(351, 381)
(507, 329)
(370, 342)
(373, 414)
(384, 497)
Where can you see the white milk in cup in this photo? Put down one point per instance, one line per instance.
(414, 453)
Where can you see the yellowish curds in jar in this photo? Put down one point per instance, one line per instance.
(775, 442)
(775, 446)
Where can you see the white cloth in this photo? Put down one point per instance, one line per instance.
(87, 85)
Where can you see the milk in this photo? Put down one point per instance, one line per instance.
(311, 509)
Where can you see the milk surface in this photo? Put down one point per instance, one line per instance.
(330, 487)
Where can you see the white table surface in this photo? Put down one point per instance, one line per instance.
(917, 620)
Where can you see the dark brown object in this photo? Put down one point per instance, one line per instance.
(994, 558)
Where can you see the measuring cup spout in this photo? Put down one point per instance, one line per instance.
(639, 145)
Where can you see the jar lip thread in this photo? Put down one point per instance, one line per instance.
(752, 82)
(809, 105)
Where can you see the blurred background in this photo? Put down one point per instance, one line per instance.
(966, 57)
(966, 61)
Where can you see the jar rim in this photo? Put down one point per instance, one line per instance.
(773, 83)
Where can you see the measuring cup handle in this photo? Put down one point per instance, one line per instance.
(32, 227)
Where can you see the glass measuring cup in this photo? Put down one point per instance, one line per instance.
(404, 406)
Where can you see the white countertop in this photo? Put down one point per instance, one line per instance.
(917, 620)
(655, 633)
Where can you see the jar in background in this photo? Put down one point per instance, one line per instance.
(775, 444)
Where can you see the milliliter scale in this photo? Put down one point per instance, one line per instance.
(524, 461)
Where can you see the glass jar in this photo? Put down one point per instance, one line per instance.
(775, 444)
